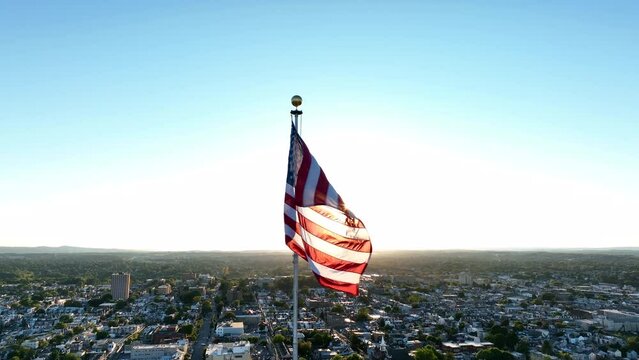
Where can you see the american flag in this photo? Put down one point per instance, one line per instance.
(319, 227)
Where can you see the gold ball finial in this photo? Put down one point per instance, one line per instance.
(296, 100)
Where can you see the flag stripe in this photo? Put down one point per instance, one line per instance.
(295, 236)
(311, 183)
(333, 238)
(290, 212)
(332, 199)
(338, 216)
(327, 272)
(321, 189)
(300, 251)
(302, 176)
(333, 250)
(335, 227)
(334, 263)
(290, 222)
(338, 285)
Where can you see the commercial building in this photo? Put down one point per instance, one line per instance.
(120, 286)
(229, 351)
(230, 329)
(615, 320)
(158, 352)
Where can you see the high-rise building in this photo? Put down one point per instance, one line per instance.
(120, 285)
(465, 279)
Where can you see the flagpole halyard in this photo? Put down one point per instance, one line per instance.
(296, 114)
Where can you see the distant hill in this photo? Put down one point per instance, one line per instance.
(56, 250)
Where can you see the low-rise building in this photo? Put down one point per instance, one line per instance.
(158, 352)
(229, 351)
(615, 320)
(230, 329)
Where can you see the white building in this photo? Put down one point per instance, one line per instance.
(124, 330)
(615, 320)
(158, 352)
(230, 329)
(31, 344)
(229, 351)
(164, 289)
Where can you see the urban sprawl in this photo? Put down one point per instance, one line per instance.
(463, 315)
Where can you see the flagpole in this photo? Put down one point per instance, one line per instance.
(296, 115)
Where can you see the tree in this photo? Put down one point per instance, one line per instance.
(546, 348)
(494, 354)
(362, 314)
(426, 353)
(320, 339)
(56, 340)
(537, 301)
(120, 304)
(72, 303)
(523, 347)
(190, 297)
(26, 301)
(229, 316)
(356, 343)
(564, 355)
(633, 343)
(304, 348)
(170, 319)
(187, 330)
(519, 326)
(207, 307)
(414, 300)
(55, 354)
(101, 335)
(21, 353)
(354, 357)
(502, 337)
(278, 338)
(60, 326)
(65, 318)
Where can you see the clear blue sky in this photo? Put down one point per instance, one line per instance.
(448, 124)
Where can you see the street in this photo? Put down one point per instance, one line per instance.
(202, 340)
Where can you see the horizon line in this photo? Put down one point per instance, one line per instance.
(513, 249)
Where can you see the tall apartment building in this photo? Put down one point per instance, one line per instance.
(120, 285)
(465, 279)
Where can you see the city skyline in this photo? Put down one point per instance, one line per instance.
(162, 126)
